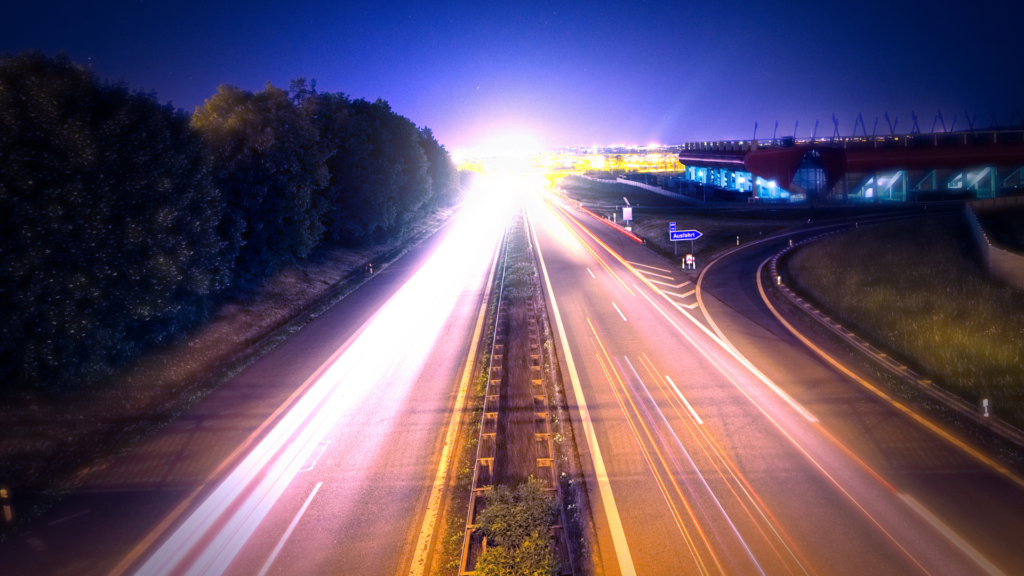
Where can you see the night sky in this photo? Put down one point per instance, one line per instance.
(566, 73)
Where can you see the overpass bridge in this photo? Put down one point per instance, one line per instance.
(976, 164)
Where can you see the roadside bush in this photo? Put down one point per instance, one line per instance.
(517, 523)
(108, 220)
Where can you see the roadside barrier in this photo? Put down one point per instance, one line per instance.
(900, 370)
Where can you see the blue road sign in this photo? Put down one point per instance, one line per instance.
(671, 226)
(677, 235)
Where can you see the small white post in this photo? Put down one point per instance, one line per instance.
(984, 403)
(6, 501)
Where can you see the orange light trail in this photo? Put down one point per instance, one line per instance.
(775, 423)
(654, 445)
(732, 469)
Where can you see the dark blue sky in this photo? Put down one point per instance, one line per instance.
(566, 73)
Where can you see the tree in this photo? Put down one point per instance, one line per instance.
(270, 165)
(444, 177)
(108, 222)
(378, 172)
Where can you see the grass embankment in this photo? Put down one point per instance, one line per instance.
(1005, 227)
(611, 193)
(916, 290)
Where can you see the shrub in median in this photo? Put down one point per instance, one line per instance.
(517, 523)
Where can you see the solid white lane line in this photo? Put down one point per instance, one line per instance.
(683, 398)
(575, 252)
(591, 273)
(291, 528)
(680, 295)
(437, 490)
(942, 433)
(620, 313)
(952, 536)
(649, 266)
(680, 285)
(604, 486)
(721, 341)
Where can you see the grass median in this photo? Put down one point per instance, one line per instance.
(916, 289)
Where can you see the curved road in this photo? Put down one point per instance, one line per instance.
(983, 508)
(700, 461)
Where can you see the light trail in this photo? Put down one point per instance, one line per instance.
(211, 537)
(743, 361)
(288, 532)
(676, 516)
(604, 487)
(709, 443)
(609, 374)
(689, 459)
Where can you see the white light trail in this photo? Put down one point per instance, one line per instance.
(411, 320)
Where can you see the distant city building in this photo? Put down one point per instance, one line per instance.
(968, 164)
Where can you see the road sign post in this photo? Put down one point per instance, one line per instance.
(677, 235)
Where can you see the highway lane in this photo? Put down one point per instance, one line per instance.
(90, 532)
(983, 507)
(382, 367)
(710, 469)
(340, 482)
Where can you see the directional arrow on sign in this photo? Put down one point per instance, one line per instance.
(677, 235)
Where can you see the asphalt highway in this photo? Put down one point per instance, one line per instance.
(348, 417)
(704, 460)
(340, 483)
(713, 441)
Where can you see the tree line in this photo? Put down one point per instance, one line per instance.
(124, 220)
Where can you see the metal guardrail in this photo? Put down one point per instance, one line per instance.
(488, 422)
(892, 365)
(483, 469)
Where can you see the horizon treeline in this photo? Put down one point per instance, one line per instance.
(123, 220)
